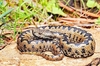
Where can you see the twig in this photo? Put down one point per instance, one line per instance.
(77, 11)
(3, 46)
(87, 13)
(34, 23)
(94, 62)
(65, 7)
(77, 19)
(48, 18)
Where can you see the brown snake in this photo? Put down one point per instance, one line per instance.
(60, 40)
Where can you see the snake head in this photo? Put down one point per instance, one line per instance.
(44, 34)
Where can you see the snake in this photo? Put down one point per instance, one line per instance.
(61, 41)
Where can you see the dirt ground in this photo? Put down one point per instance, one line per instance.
(9, 56)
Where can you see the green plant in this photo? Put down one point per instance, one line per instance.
(98, 21)
(52, 6)
(92, 4)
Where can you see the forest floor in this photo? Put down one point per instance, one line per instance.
(9, 56)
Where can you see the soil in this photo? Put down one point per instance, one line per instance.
(9, 56)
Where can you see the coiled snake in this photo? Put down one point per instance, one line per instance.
(60, 40)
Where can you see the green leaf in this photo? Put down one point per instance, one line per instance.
(53, 7)
(98, 6)
(56, 10)
(98, 21)
(91, 3)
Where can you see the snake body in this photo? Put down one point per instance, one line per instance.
(60, 40)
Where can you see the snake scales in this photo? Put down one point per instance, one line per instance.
(60, 40)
